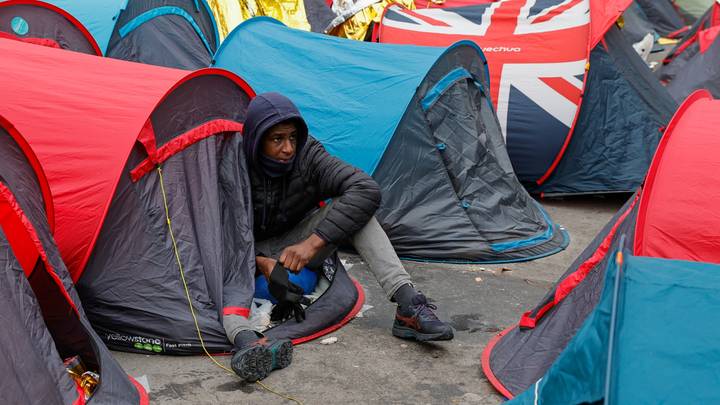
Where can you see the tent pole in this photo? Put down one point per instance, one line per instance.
(619, 262)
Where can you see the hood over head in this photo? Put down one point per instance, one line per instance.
(264, 111)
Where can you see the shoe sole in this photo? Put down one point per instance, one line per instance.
(282, 353)
(409, 333)
(253, 363)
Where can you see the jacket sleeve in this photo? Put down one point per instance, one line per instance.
(355, 194)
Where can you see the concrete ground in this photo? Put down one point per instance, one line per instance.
(367, 365)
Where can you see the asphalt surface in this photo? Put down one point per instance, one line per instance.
(367, 365)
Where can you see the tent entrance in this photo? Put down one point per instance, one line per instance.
(457, 110)
(60, 315)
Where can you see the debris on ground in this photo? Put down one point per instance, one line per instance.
(361, 313)
(329, 341)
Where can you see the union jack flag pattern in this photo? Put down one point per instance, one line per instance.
(537, 52)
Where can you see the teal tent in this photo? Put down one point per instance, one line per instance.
(651, 339)
(420, 121)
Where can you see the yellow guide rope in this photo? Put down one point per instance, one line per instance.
(187, 294)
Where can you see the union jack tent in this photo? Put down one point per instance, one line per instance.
(566, 133)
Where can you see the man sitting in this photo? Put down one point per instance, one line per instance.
(290, 173)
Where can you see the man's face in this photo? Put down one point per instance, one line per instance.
(280, 141)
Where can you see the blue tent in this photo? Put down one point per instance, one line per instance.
(420, 121)
(174, 33)
(651, 339)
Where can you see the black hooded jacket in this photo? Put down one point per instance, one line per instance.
(280, 203)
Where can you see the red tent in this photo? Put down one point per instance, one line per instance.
(44, 323)
(101, 129)
(673, 216)
(61, 120)
(679, 209)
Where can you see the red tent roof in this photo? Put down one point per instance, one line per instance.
(603, 13)
(81, 115)
(679, 215)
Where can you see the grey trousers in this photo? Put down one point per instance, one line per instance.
(370, 241)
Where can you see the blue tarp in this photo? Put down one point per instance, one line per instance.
(659, 324)
(352, 94)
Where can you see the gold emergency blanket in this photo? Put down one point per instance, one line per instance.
(355, 16)
(230, 13)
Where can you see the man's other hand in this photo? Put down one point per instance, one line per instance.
(295, 257)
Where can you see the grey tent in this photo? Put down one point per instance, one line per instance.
(173, 33)
(420, 121)
(146, 145)
(43, 322)
(636, 24)
(694, 63)
(663, 16)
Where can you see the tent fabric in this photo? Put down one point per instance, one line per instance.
(56, 21)
(350, 107)
(626, 104)
(43, 320)
(536, 61)
(663, 16)
(98, 17)
(603, 15)
(519, 356)
(538, 58)
(636, 24)
(370, 103)
(82, 201)
(522, 354)
(313, 15)
(675, 186)
(614, 359)
(693, 63)
(111, 210)
(173, 33)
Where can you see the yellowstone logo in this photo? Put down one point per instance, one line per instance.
(136, 342)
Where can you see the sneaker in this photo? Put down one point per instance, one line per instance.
(255, 361)
(419, 322)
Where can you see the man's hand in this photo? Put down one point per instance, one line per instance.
(295, 257)
(265, 265)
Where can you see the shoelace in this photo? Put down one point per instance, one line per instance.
(425, 310)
